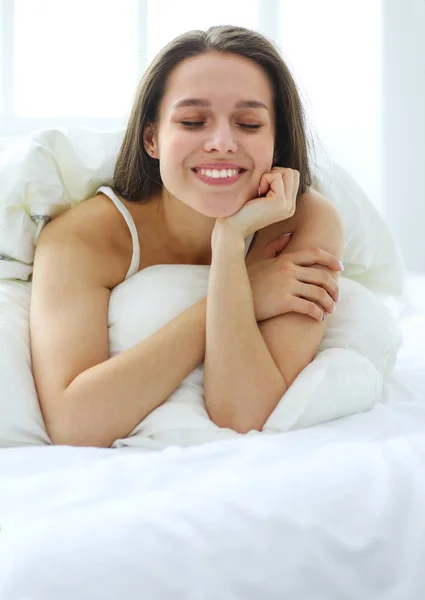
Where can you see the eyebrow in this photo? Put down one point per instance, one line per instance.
(206, 103)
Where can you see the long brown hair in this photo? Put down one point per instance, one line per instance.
(136, 174)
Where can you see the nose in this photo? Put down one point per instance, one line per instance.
(221, 139)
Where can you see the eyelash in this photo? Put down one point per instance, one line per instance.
(196, 124)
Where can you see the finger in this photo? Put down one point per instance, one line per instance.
(304, 307)
(263, 187)
(275, 247)
(311, 256)
(276, 191)
(291, 179)
(288, 177)
(317, 294)
(320, 278)
(280, 201)
(291, 184)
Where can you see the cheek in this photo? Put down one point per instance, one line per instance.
(261, 151)
(174, 148)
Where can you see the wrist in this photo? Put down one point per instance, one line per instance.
(227, 237)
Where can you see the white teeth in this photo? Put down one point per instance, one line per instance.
(216, 174)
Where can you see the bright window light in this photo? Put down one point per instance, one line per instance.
(75, 58)
(169, 19)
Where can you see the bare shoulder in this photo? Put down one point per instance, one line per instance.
(97, 224)
(312, 207)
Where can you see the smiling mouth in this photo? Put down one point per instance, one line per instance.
(219, 176)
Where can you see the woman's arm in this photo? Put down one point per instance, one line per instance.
(241, 380)
(292, 338)
(87, 398)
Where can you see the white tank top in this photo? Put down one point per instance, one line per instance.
(135, 260)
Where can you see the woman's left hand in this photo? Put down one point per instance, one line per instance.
(281, 185)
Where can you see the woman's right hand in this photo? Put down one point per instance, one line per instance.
(287, 283)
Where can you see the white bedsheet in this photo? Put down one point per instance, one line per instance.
(336, 511)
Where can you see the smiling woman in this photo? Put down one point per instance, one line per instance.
(244, 58)
(213, 169)
(203, 123)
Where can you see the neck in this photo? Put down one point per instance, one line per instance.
(185, 232)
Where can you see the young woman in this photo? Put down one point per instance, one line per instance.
(213, 170)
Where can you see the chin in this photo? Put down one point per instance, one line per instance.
(213, 213)
(218, 212)
(220, 205)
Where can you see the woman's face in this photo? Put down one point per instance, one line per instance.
(215, 135)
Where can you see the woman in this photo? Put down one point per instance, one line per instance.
(214, 163)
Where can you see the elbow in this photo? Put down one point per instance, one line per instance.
(252, 417)
(67, 423)
(238, 423)
(68, 439)
(64, 430)
(242, 428)
(67, 436)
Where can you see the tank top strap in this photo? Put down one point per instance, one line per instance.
(135, 259)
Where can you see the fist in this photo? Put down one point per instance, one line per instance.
(280, 187)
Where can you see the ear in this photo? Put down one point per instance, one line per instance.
(149, 141)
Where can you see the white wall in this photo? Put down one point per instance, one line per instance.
(333, 48)
(403, 186)
(361, 68)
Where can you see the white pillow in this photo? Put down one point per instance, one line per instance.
(358, 352)
(372, 256)
(43, 175)
(21, 421)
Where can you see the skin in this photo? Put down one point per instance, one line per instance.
(187, 207)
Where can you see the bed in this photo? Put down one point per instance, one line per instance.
(330, 510)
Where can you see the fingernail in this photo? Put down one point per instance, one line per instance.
(323, 317)
(285, 234)
(341, 266)
(259, 191)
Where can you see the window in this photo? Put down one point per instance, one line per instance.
(78, 62)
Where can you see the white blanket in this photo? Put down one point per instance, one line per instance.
(334, 512)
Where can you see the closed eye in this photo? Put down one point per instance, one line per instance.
(249, 126)
(193, 124)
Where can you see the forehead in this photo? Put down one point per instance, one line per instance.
(220, 78)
